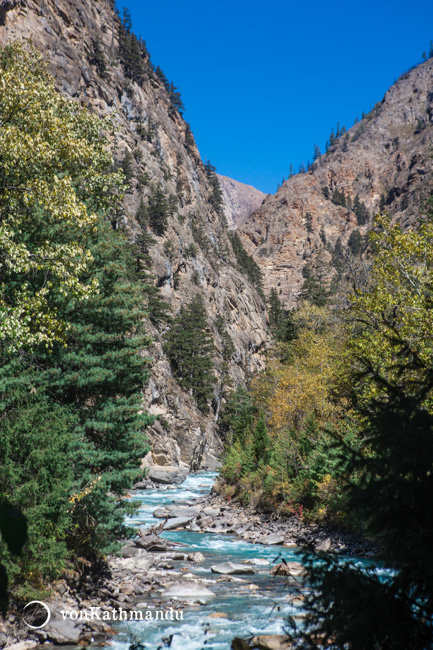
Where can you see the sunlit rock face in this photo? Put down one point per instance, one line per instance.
(240, 200)
(385, 159)
(163, 153)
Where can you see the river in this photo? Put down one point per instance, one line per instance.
(255, 604)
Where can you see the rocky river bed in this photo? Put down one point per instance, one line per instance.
(201, 572)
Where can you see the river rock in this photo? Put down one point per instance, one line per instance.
(177, 522)
(217, 615)
(257, 561)
(270, 642)
(153, 543)
(167, 475)
(210, 511)
(182, 512)
(272, 539)
(196, 557)
(288, 569)
(193, 526)
(229, 568)
(240, 644)
(161, 513)
(63, 631)
(324, 545)
(136, 564)
(187, 590)
(23, 645)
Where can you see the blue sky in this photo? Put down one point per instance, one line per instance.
(262, 82)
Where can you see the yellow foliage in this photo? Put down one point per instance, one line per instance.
(54, 166)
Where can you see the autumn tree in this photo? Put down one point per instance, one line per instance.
(392, 495)
(53, 176)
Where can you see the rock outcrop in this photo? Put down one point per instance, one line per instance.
(385, 159)
(240, 200)
(80, 39)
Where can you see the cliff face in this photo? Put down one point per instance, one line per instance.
(240, 200)
(386, 159)
(80, 40)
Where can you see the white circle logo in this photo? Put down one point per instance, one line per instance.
(39, 613)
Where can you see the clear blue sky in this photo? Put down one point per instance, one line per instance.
(262, 82)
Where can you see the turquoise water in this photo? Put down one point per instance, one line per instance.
(247, 610)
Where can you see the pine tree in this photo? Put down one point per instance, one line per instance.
(314, 289)
(390, 493)
(175, 99)
(261, 441)
(189, 348)
(354, 242)
(158, 210)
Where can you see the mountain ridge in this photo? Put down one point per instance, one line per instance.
(385, 160)
(156, 149)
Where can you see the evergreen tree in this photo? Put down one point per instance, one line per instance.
(360, 211)
(158, 210)
(175, 99)
(391, 490)
(237, 416)
(261, 441)
(354, 242)
(130, 51)
(189, 348)
(161, 76)
(280, 320)
(216, 196)
(127, 167)
(314, 289)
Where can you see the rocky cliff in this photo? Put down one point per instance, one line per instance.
(385, 160)
(240, 200)
(80, 39)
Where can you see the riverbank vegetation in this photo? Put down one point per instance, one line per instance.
(348, 406)
(72, 362)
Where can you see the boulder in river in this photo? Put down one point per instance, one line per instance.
(177, 522)
(166, 475)
(160, 513)
(230, 568)
(153, 543)
(189, 590)
(181, 512)
(288, 569)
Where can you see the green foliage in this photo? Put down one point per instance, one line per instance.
(97, 58)
(132, 52)
(189, 348)
(360, 211)
(315, 288)
(54, 175)
(280, 320)
(216, 194)
(72, 427)
(393, 494)
(355, 242)
(38, 443)
(245, 262)
(158, 210)
(339, 198)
